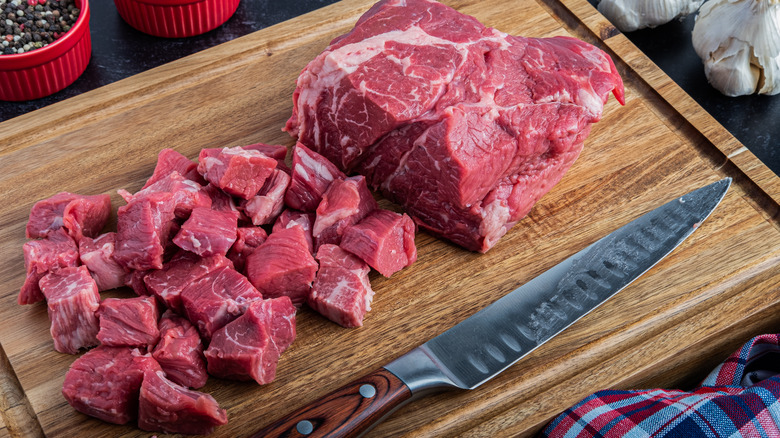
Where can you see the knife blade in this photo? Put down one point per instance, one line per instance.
(481, 346)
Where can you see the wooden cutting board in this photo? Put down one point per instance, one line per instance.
(666, 330)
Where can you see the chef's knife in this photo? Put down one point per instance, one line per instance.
(483, 345)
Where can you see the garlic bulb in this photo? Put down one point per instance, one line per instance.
(630, 15)
(739, 42)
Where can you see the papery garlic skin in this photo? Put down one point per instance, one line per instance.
(739, 43)
(630, 15)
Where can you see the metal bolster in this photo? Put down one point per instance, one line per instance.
(419, 371)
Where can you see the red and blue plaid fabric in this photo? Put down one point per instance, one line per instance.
(738, 399)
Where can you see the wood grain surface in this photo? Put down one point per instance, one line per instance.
(667, 329)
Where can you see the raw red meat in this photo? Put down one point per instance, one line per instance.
(41, 256)
(128, 322)
(135, 281)
(248, 239)
(80, 215)
(184, 268)
(290, 218)
(237, 171)
(143, 230)
(246, 349)
(384, 240)
(341, 291)
(465, 126)
(220, 200)
(264, 207)
(105, 381)
(180, 351)
(72, 298)
(216, 299)
(169, 161)
(98, 256)
(311, 175)
(187, 194)
(345, 203)
(283, 265)
(275, 151)
(208, 232)
(167, 407)
(279, 315)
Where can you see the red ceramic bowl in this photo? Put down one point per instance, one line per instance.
(175, 18)
(45, 71)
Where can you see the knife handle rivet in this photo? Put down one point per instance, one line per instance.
(304, 427)
(367, 390)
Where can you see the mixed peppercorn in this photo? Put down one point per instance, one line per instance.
(31, 24)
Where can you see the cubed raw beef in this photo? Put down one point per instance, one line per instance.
(275, 151)
(80, 215)
(184, 268)
(72, 298)
(244, 349)
(42, 256)
(283, 265)
(128, 322)
(464, 126)
(220, 200)
(165, 406)
(345, 203)
(208, 232)
(187, 194)
(135, 281)
(311, 175)
(180, 351)
(143, 230)
(384, 240)
(290, 218)
(237, 171)
(341, 291)
(105, 382)
(216, 299)
(248, 239)
(265, 207)
(169, 161)
(279, 315)
(98, 256)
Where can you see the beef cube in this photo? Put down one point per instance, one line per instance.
(283, 265)
(180, 351)
(290, 218)
(184, 268)
(469, 130)
(245, 349)
(80, 215)
(128, 322)
(216, 299)
(143, 230)
(265, 207)
(187, 194)
(208, 232)
(104, 383)
(98, 256)
(248, 239)
(169, 161)
(237, 171)
(275, 151)
(341, 291)
(345, 203)
(220, 200)
(135, 281)
(384, 240)
(311, 175)
(72, 298)
(165, 406)
(278, 314)
(57, 250)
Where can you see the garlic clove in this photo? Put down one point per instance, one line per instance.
(739, 43)
(630, 15)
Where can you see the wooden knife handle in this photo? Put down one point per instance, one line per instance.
(346, 412)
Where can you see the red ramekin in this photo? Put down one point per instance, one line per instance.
(45, 71)
(175, 18)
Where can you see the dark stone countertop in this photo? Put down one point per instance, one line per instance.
(121, 51)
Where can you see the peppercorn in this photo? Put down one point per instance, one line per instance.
(31, 24)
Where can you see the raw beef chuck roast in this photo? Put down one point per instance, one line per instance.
(465, 126)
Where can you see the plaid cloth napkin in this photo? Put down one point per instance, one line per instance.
(738, 399)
